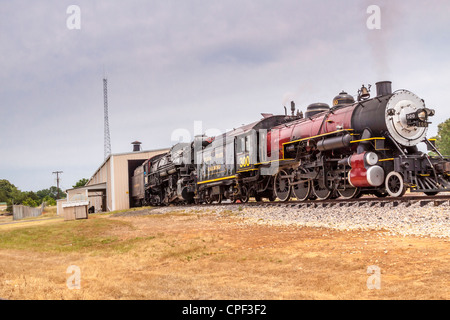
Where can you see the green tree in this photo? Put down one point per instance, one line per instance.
(51, 192)
(49, 201)
(9, 193)
(443, 137)
(43, 193)
(54, 191)
(81, 183)
(30, 202)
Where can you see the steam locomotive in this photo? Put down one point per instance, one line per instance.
(367, 146)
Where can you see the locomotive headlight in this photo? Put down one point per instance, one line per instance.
(422, 115)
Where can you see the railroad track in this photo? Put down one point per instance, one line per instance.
(420, 201)
(389, 202)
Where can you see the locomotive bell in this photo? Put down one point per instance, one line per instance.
(363, 93)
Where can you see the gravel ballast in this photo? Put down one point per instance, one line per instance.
(413, 220)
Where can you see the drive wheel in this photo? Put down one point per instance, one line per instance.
(321, 191)
(395, 185)
(301, 190)
(281, 186)
(349, 193)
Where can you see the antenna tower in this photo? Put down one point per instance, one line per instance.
(107, 146)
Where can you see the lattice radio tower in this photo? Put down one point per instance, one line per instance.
(107, 146)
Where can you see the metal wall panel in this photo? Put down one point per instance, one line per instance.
(122, 178)
(114, 171)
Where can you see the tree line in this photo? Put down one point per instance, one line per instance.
(443, 138)
(10, 194)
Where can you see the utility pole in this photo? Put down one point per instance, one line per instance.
(57, 182)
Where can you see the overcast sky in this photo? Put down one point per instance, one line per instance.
(170, 63)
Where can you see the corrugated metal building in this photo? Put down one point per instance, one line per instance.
(109, 187)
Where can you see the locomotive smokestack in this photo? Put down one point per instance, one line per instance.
(383, 88)
(293, 108)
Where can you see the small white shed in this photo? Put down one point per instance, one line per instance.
(74, 210)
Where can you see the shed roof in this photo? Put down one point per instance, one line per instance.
(92, 187)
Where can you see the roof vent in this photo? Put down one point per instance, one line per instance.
(136, 146)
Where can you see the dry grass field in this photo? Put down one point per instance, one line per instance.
(208, 256)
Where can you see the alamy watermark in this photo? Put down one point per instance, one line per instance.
(374, 20)
(374, 281)
(74, 280)
(73, 21)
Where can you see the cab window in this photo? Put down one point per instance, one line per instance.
(247, 143)
(240, 144)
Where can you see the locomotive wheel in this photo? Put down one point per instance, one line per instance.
(349, 193)
(321, 191)
(244, 194)
(302, 190)
(281, 186)
(209, 200)
(395, 185)
(272, 197)
(217, 198)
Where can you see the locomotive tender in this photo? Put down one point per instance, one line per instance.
(368, 146)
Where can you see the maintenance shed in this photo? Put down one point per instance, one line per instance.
(109, 187)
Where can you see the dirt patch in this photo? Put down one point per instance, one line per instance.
(191, 255)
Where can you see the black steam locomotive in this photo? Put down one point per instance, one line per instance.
(368, 146)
